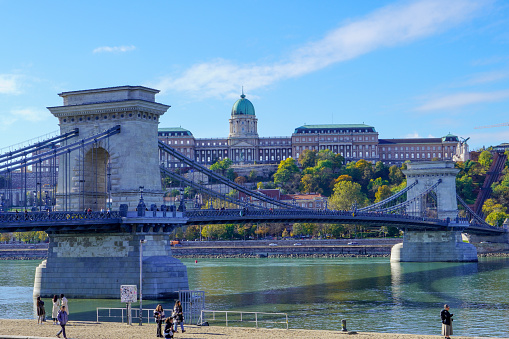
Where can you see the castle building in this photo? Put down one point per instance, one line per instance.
(352, 141)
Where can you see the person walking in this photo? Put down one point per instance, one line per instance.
(159, 316)
(56, 307)
(62, 319)
(63, 302)
(446, 322)
(41, 312)
(178, 316)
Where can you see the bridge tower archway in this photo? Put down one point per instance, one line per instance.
(96, 170)
(111, 170)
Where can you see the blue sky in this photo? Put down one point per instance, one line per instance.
(408, 68)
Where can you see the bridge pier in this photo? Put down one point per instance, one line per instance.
(430, 246)
(91, 266)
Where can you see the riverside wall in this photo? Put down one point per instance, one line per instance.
(259, 248)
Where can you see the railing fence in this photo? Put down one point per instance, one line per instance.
(257, 318)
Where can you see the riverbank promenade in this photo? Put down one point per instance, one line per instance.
(28, 329)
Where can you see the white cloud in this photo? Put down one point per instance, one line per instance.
(114, 49)
(389, 26)
(462, 99)
(484, 78)
(10, 84)
(29, 114)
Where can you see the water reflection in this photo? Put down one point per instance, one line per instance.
(371, 293)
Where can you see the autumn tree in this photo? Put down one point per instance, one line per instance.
(240, 180)
(485, 159)
(382, 193)
(346, 194)
(287, 176)
(307, 158)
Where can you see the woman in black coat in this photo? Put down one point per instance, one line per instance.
(446, 322)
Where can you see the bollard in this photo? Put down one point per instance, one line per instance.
(343, 325)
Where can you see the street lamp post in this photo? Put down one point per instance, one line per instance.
(142, 241)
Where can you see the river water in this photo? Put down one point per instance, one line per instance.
(372, 294)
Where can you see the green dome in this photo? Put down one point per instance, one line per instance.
(243, 106)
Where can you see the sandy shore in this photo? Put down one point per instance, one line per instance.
(92, 330)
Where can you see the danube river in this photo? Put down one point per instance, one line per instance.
(372, 294)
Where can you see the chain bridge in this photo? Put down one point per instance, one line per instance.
(107, 200)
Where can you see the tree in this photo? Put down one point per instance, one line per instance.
(230, 174)
(346, 194)
(485, 159)
(31, 236)
(303, 229)
(310, 184)
(343, 177)
(285, 234)
(244, 230)
(382, 193)
(192, 232)
(262, 230)
(240, 180)
(287, 175)
(466, 189)
(5, 237)
(336, 160)
(396, 176)
(496, 218)
(381, 171)
(252, 176)
(221, 166)
(307, 158)
(491, 206)
(375, 184)
(285, 171)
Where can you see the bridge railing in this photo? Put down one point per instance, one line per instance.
(297, 213)
(56, 216)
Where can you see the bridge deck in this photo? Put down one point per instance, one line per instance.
(114, 222)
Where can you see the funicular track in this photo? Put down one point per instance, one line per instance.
(493, 175)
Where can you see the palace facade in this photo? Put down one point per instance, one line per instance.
(352, 141)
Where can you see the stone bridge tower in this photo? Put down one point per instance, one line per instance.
(427, 173)
(109, 172)
(428, 245)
